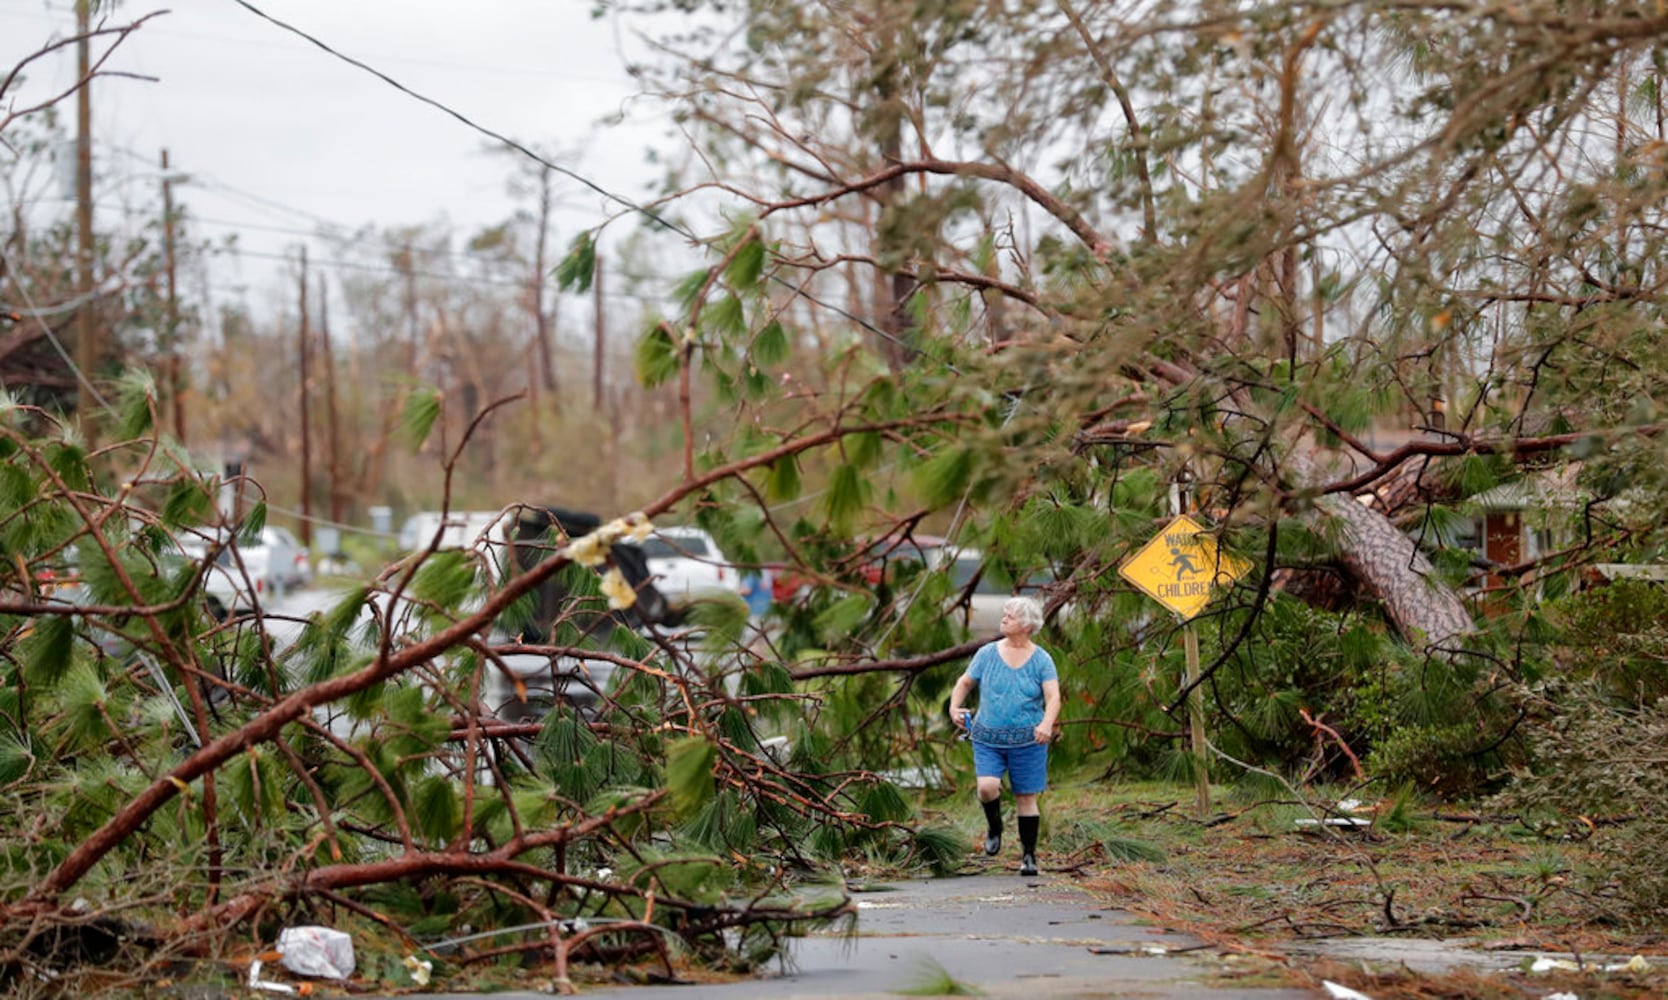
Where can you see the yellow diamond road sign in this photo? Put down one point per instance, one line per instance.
(1180, 565)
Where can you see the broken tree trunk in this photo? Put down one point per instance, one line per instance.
(1426, 611)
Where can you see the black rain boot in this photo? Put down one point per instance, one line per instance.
(993, 827)
(1028, 844)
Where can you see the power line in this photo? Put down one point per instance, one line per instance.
(213, 183)
(327, 229)
(465, 120)
(800, 290)
(431, 275)
(366, 245)
(46, 12)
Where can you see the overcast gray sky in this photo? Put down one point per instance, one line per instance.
(276, 133)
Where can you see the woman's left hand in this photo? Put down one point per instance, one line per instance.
(1043, 733)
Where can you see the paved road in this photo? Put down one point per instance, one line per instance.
(1032, 938)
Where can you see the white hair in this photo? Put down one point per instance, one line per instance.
(1026, 611)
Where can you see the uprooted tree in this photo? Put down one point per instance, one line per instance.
(244, 770)
(186, 779)
(1343, 278)
(1331, 273)
(1261, 238)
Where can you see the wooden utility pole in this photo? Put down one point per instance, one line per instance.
(333, 443)
(1197, 738)
(171, 340)
(306, 330)
(410, 268)
(86, 334)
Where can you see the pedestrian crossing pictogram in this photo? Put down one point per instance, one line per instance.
(1181, 565)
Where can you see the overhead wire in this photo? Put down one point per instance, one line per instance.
(335, 232)
(799, 290)
(387, 270)
(463, 119)
(351, 242)
(618, 199)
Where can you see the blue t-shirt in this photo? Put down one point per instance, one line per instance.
(1011, 701)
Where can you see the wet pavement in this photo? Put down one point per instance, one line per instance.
(1003, 935)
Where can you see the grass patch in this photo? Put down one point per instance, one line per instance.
(1250, 872)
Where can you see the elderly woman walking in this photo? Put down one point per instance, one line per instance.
(1019, 701)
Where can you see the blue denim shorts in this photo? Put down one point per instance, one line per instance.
(1026, 766)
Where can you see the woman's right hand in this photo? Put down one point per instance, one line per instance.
(960, 716)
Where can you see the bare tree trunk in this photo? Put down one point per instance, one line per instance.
(171, 353)
(599, 352)
(407, 263)
(892, 291)
(86, 320)
(1426, 611)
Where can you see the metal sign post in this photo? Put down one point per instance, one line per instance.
(1179, 568)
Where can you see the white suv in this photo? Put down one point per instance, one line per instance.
(685, 563)
(239, 578)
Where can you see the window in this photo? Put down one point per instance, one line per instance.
(690, 546)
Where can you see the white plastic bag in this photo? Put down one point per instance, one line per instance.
(316, 951)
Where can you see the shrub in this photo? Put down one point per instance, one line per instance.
(1595, 759)
(1596, 733)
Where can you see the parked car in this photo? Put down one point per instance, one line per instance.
(58, 581)
(288, 561)
(249, 571)
(237, 580)
(528, 684)
(880, 561)
(685, 563)
(457, 528)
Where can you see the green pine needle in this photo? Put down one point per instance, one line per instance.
(770, 345)
(576, 270)
(747, 265)
(49, 651)
(841, 618)
(942, 848)
(783, 484)
(689, 774)
(436, 808)
(422, 410)
(847, 496)
(931, 979)
(135, 404)
(944, 478)
(656, 360)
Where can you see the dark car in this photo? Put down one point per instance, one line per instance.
(566, 612)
